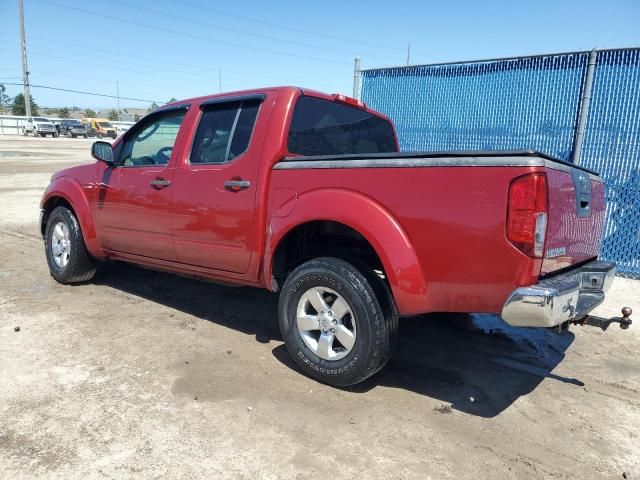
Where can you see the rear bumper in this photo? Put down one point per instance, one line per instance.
(561, 298)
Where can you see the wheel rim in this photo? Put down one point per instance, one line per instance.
(326, 323)
(61, 244)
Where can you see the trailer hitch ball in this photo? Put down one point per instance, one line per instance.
(625, 321)
(603, 323)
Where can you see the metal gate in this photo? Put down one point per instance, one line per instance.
(531, 103)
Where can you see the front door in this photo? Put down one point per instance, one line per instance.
(134, 198)
(215, 188)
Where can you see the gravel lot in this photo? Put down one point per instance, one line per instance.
(142, 374)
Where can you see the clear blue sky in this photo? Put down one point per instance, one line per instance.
(260, 43)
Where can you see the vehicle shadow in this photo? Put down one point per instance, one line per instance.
(476, 364)
(472, 363)
(252, 311)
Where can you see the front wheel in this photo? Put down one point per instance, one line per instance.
(335, 327)
(67, 256)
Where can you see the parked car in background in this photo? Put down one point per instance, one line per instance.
(73, 128)
(39, 126)
(56, 123)
(100, 127)
(307, 194)
(120, 129)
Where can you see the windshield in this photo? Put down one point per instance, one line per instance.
(74, 123)
(41, 119)
(105, 124)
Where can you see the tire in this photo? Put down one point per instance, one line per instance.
(373, 326)
(79, 265)
(54, 135)
(24, 132)
(86, 136)
(34, 133)
(100, 135)
(72, 135)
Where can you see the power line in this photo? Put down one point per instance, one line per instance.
(197, 71)
(242, 32)
(189, 35)
(88, 93)
(287, 27)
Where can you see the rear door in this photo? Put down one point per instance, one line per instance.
(134, 199)
(576, 217)
(215, 188)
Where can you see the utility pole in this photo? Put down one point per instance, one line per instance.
(219, 80)
(356, 78)
(25, 68)
(118, 95)
(408, 53)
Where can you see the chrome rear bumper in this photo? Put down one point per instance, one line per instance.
(561, 298)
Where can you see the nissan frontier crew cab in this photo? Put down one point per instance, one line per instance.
(307, 195)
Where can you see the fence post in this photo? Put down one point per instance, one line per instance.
(356, 78)
(576, 157)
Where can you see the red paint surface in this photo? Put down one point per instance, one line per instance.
(439, 231)
(579, 236)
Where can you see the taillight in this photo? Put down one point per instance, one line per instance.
(527, 213)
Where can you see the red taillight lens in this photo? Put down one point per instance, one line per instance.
(527, 213)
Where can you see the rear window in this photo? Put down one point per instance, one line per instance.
(322, 127)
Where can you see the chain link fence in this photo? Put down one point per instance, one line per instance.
(530, 103)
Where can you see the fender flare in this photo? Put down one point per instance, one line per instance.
(369, 218)
(71, 191)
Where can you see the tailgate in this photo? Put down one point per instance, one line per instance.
(576, 217)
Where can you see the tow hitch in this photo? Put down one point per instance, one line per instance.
(603, 323)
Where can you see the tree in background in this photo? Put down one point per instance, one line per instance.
(18, 107)
(172, 99)
(112, 115)
(136, 117)
(89, 113)
(154, 106)
(5, 99)
(63, 112)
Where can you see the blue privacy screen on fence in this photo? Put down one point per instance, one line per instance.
(612, 147)
(529, 103)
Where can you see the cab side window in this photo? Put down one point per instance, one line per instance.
(151, 143)
(224, 132)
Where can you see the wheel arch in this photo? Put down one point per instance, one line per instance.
(364, 223)
(68, 193)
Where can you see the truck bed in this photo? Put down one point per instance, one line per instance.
(452, 206)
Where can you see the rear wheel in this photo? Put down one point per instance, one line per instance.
(67, 256)
(333, 324)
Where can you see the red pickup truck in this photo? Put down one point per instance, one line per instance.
(306, 194)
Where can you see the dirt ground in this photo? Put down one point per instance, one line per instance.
(147, 375)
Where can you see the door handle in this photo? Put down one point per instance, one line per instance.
(237, 185)
(160, 183)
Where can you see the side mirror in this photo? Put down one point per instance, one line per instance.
(102, 151)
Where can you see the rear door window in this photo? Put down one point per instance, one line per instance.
(224, 132)
(322, 127)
